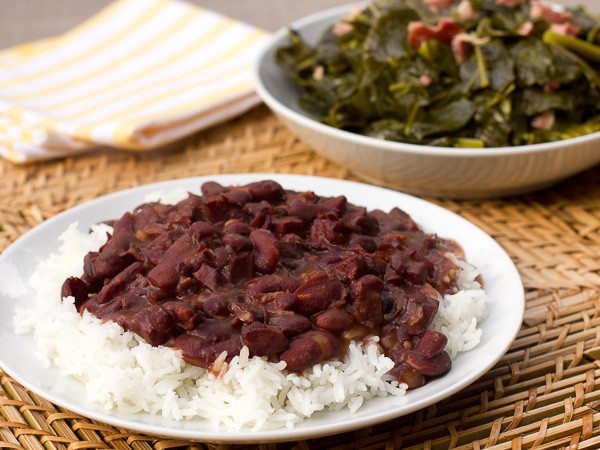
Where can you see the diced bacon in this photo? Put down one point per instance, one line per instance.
(526, 29)
(438, 5)
(551, 86)
(318, 73)
(510, 3)
(425, 80)
(549, 15)
(444, 31)
(342, 28)
(544, 121)
(567, 29)
(465, 11)
(462, 45)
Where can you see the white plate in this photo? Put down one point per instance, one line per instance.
(502, 282)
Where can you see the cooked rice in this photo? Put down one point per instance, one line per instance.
(128, 375)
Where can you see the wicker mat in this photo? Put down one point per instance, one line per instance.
(542, 394)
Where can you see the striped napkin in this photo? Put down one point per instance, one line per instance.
(139, 74)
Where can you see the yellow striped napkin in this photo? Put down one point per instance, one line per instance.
(139, 74)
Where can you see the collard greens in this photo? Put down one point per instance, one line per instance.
(367, 78)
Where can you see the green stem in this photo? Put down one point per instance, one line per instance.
(586, 50)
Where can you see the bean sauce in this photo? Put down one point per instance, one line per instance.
(291, 275)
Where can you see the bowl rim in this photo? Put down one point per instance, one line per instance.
(277, 39)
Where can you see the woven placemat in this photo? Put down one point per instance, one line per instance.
(542, 394)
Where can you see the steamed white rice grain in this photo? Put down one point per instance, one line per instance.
(128, 375)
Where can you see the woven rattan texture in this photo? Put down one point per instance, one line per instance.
(544, 393)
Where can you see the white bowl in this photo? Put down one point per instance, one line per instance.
(417, 169)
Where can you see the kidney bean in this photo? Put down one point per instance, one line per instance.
(185, 315)
(237, 242)
(200, 352)
(317, 294)
(119, 282)
(212, 188)
(271, 283)
(335, 320)
(307, 211)
(76, 288)
(285, 300)
(263, 340)
(154, 323)
(310, 348)
(418, 313)
(431, 343)
(216, 306)
(366, 301)
(236, 226)
(265, 190)
(266, 250)
(291, 324)
(113, 257)
(436, 365)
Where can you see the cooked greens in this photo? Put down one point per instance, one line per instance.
(475, 73)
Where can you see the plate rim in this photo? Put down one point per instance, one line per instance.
(272, 435)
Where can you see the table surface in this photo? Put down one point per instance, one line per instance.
(542, 394)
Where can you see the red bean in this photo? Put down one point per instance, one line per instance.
(310, 348)
(271, 283)
(335, 320)
(266, 250)
(433, 366)
(263, 340)
(291, 324)
(431, 343)
(318, 294)
(119, 282)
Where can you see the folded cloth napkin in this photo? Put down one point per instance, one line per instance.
(139, 74)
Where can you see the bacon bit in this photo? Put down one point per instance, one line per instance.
(526, 29)
(510, 3)
(437, 6)
(567, 29)
(551, 86)
(318, 73)
(544, 121)
(548, 13)
(342, 28)
(444, 31)
(465, 11)
(425, 80)
(462, 45)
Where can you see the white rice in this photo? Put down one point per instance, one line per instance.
(125, 374)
